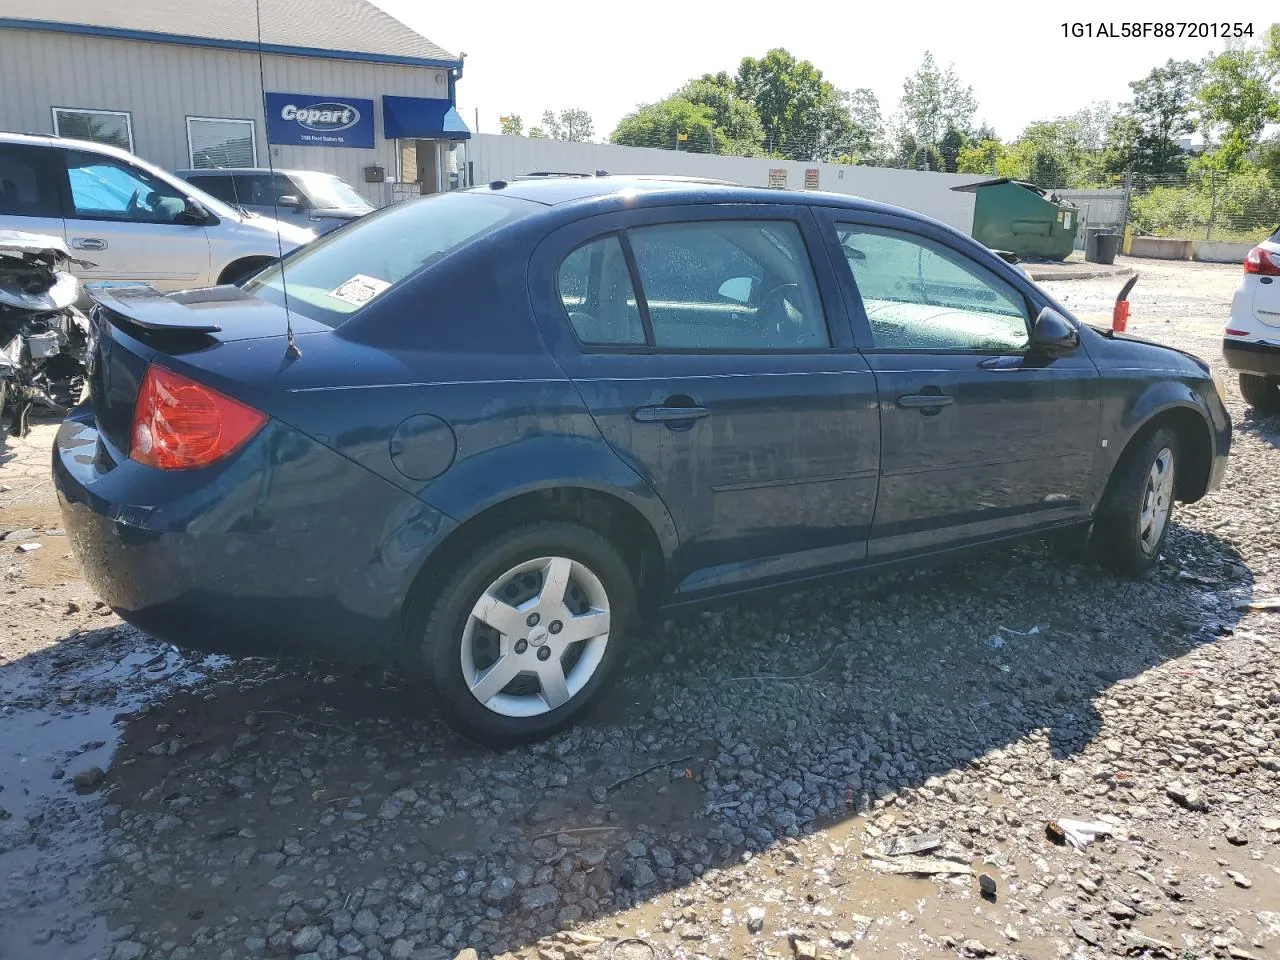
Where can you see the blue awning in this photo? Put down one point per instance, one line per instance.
(412, 118)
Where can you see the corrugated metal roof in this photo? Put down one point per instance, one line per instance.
(337, 26)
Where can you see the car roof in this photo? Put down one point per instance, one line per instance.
(232, 171)
(565, 190)
(53, 140)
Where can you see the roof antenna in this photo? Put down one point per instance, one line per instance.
(291, 351)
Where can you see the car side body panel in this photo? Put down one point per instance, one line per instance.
(448, 396)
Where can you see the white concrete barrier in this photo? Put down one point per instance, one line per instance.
(1218, 251)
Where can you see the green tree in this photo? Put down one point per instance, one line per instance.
(982, 157)
(661, 124)
(1163, 106)
(1237, 101)
(804, 116)
(935, 101)
(868, 126)
(952, 142)
(572, 125)
(576, 125)
(737, 124)
(1121, 150)
(512, 125)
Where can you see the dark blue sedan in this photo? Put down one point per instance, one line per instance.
(510, 423)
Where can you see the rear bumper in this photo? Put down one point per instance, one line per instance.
(1261, 359)
(288, 549)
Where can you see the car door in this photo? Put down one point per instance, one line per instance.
(30, 194)
(709, 347)
(131, 224)
(980, 437)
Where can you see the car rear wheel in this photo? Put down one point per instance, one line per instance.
(1133, 520)
(1261, 393)
(529, 633)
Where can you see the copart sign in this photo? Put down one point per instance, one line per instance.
(309, 120)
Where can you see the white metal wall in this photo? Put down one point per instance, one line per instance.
(161, 84)
(498, 157)
(1098, 208)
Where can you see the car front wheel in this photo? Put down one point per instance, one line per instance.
(1133, 520)
(529, 633)
(1261, 393)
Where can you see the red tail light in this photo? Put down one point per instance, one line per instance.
(1262, 262)
(179, 424)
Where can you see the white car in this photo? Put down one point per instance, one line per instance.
(130, 219)
(1251, 344)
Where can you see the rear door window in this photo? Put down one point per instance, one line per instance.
(29, 182)
(597, 294)
(729, 285)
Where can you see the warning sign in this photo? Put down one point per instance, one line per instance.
(778, 179)
(811, 178)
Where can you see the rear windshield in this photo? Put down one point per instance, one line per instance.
(332, 277)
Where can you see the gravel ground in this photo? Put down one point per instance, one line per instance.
(750, 791)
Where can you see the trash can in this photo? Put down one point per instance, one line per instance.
(1091, 243)
(1108, 245)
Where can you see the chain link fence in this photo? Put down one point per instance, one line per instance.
(1206, 205)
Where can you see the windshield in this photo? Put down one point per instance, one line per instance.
(326, 191)
(335, 276)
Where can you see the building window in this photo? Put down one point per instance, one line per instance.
(214, 142)
(112, 127)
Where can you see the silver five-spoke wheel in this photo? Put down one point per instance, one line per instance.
(535, 637)
(1157, 501)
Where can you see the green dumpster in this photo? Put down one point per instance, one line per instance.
(1020, 217)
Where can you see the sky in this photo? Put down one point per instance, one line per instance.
(525, 57)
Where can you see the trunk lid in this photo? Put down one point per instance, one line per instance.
(133, 324)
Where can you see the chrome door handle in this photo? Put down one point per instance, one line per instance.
(921, 401)
(89, 243)
(664, 414)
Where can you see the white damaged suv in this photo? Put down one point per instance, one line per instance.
(132, 220)
(1251, 343)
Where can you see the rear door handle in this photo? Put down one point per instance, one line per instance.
(920, 401)
(89, 243)
(664, 414)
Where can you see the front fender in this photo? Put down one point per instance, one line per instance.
(1157, 398)
(1200, 419)
(501, 473)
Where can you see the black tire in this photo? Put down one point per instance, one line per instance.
(1118, 542)
(441, 640)
(1261, 393)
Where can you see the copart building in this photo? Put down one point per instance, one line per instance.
(334, 85)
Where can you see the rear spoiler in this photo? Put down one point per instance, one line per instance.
(150, 309)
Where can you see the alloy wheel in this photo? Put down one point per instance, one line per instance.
(1157, 501)
(535, 637)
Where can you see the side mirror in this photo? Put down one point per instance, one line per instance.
(1053, 335)
(738, 289)
(289, 200)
